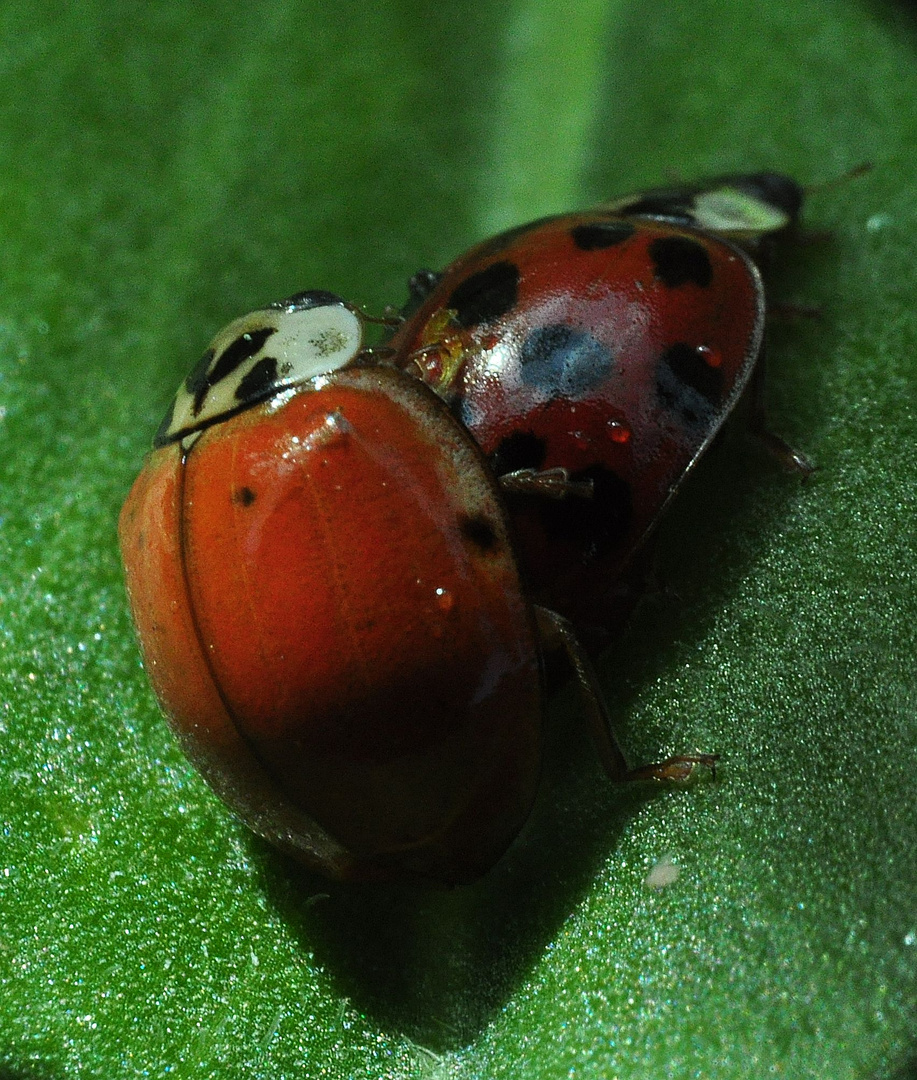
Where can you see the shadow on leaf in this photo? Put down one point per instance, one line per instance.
(437, 966)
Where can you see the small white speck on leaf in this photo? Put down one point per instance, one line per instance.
(877, 222)
(664, 872)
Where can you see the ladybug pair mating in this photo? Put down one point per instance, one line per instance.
(345, 563)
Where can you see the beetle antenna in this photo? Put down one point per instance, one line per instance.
(390, 318)
(851, 174)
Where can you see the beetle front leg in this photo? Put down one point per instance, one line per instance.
(549, 483)
(557, 632)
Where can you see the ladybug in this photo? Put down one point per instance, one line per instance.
(319, 566)
(319, 570)
(594, 357)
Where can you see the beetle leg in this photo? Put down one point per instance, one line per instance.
(550, 483)
(391, 319)
(778, 448)
(555, 631)
(376, 353)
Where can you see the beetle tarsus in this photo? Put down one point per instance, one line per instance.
(778, 448)
(558, 632)
(675, 768)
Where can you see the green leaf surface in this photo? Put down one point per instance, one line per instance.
(166, 167)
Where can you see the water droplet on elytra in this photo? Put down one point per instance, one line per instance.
(618, 431)
(333, 429)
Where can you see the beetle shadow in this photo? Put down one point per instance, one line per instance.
(438, 964)
(30, 1071)
(907, 1069)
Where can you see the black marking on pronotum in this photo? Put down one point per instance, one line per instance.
(486, 295)
(593, 526)
(309, 298)
(596, 235)
(233, 356)
(244, 496)
(675, 206)
(679, 260)
(160, 438)
(563, 361)
(479, 530)
(259, 381)
(521, 450)
(686, 383)
(211, 421)
(203, 377)
(196, 381)
(772, 188)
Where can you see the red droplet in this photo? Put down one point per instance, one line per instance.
(618, 431)
(582, 440)
(711, 357)
(445, 601)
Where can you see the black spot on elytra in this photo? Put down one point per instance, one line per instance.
(563, 361)
(601, 234)
(687, 384)
(593, 526)
(244, 496)
(679, 260)
(486, 295)
(479, 530)
(258, 382)
(160, 438)
(521, 450)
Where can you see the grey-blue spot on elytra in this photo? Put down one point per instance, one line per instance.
(564, 361)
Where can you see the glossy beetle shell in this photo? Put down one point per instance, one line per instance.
(609, 348)
(331, 616)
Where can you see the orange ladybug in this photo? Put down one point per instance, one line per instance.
(328, 604)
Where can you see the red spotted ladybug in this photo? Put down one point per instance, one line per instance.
(319, 567)
(594, 356)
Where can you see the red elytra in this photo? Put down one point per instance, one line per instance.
(594, 357)
(331, 617)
